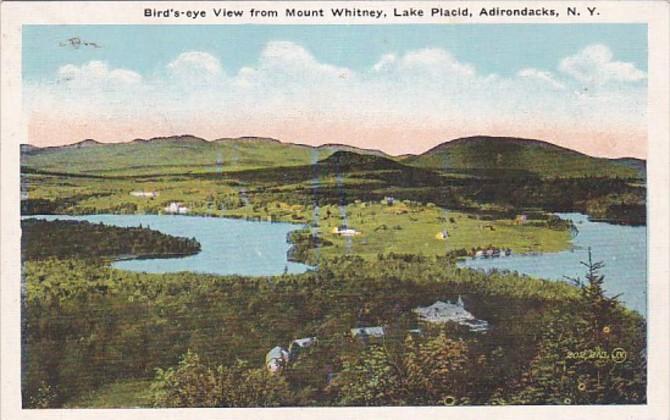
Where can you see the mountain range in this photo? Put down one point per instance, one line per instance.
(191, 154)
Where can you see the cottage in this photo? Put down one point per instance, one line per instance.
(520, 219)
(176, 208)
(442, 312)
(365, 332)
(443, 235)
(303, 342)
(276, 359)
(297, 345)
(345, 231)
(144, 194)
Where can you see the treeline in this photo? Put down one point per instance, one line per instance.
(504, 192)
(80, 239)
(610, 199)
(86, 325)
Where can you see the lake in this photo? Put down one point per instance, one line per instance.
(228, 246)
(234, 246)
(623, 249)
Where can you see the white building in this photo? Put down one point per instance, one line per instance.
(276, 359)
(365, 332)
(441, 312)
(297, 345)
(144, 194)
(345, 231)
(176, 208)
(303, 342)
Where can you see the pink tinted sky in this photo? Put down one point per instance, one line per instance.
(621, 141)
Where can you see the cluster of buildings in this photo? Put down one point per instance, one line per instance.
(438, 313)
(172, 208)
(176, 208)
(491, 252)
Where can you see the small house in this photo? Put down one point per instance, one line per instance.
(345, 231)
(176, 208)
(144, 194)
(443, 235)
(520, 219)
(297, 345)
(276, 359)
(365, 332)
(442, 312)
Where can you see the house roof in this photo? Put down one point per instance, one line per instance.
(304, 342)
(441, 312)
(276, 353)
(368, 331)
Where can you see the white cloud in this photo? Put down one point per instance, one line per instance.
(427, 61)
(195, 64)
(288, 86)
(385, 62)
(290, 59)
(435, 60)
(594, 64)
(540, 75)
(95, 72)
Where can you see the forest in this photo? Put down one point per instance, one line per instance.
(68, 238)
(200, 340)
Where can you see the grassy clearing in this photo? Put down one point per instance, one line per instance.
(414, 228)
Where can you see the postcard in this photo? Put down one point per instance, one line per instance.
(335, 209)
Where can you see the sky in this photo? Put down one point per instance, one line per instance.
(398, 88)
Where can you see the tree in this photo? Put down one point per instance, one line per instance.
(369, 378)
(591, 352)
(432, 372)
(600, 307)
(436, 370)
(193, 384)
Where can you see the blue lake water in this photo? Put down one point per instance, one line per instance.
(623, 249)
(228, 246)
(232, 246)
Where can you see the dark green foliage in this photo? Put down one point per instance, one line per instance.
(533, 156)
(589, 353)
(302, 241)
(194, 384)
(433, 371)
(66, 239)
(503, 175)
(87, 325)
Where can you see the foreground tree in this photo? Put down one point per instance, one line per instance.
(430, 372)
(193, 384)
(592, 351)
